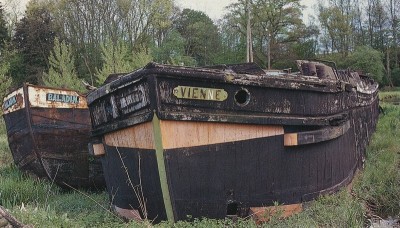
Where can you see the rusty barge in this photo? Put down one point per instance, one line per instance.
(48, 132)
(228, 140)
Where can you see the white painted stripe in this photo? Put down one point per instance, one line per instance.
(38, 98)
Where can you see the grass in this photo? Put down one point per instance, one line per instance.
(379, 185)
(375, 192)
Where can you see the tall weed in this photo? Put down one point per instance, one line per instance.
(379, 185)
(17, 188)
(5, 154)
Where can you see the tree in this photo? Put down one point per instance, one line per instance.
(87, 24)
(394, 9)
(337, 24)
(3, 29)
(275, 24)
(202, 40)
(33, 39)
(5, 80)
(377, 24)
(116, 59)
(396, 76)
(368, 60)
(172, 50)
(140, 59)
(62, 68)
(119, 59)
(12, 13)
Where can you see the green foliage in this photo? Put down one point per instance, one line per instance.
(70, 209)
(140, 59)
(161, 15)
(364, 58)
(17, 188)
(172, 50)
(3, 29)
(368, 60)
(305, 50)
(206, 223)
(118, 58)
(17, 72)
(379, 186)
(338, 210)
(5, 154)
(337, 25)
(395, 74)
(33, 40)
(62, 72)
(233, 43)
(202, 40)
(5, 81)
(275, 24)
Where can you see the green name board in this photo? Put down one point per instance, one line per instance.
(63, 98)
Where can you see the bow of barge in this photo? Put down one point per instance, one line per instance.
(226, 140)
(48, 131)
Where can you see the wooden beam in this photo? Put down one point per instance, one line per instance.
(180, 134)
(316, 136)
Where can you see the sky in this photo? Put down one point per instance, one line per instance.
(213, 8)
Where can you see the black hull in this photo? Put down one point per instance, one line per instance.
(51, 142)
(130, 173)
(219, 158)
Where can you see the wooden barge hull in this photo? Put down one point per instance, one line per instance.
(48, 131)
(170, 155)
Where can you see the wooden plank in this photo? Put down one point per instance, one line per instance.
(98, 149)
(316, 136)
(290, 139)
(180, 134)
(138, 136)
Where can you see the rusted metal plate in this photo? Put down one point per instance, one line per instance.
(14, 101)
(42, 97)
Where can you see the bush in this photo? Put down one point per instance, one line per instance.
(368, 60)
